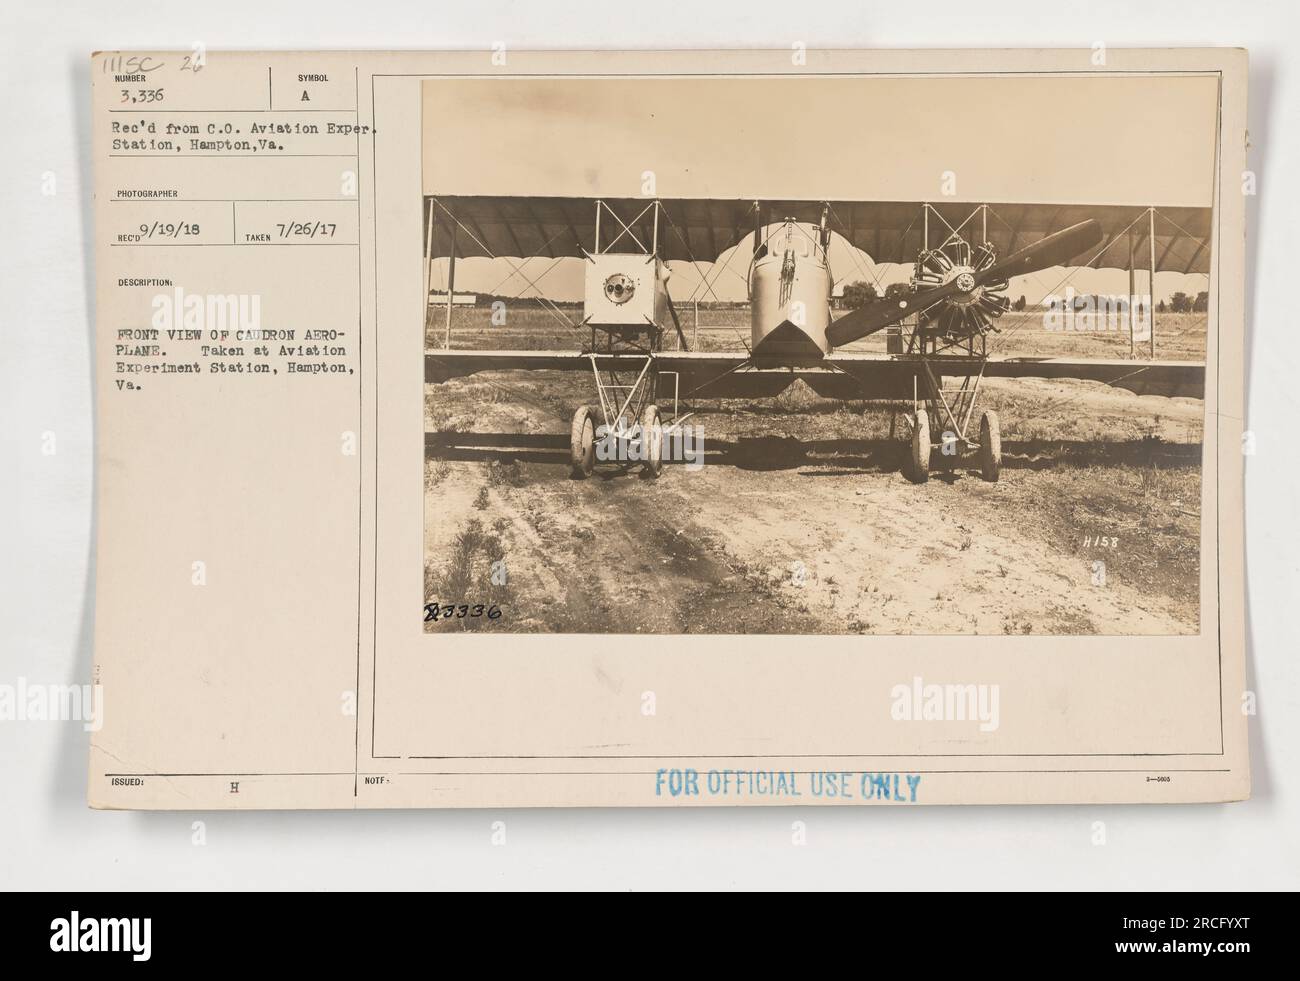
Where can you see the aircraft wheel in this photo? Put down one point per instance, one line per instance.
(990, 446)
(652, 441)
(582, 443)
(920, 459)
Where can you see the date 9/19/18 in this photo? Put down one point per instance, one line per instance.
(433, 611)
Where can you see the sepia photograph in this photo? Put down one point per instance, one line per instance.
(688, 369)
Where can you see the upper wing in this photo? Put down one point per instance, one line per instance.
(888, 231)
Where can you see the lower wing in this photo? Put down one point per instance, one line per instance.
(848, 375)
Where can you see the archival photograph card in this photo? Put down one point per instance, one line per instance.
(511, 428)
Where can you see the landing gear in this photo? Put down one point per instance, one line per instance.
(582, 443)
(920, 458)
(627, 419)
(950, 409)
(990, 453)
(652, 441)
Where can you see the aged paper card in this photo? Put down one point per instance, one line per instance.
(669, 428)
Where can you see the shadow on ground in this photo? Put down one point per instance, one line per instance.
(865, 455)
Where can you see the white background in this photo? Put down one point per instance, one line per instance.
(50, 839)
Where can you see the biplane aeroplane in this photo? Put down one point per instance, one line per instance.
(937, 349)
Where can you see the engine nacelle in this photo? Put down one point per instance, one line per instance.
(626, 289)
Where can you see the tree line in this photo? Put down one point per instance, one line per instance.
(859, 294)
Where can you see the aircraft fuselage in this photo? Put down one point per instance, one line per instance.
(789, 295)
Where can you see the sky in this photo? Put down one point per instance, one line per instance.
(1082, 139)
(1112, 139)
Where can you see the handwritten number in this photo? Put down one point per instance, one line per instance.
(436, 611)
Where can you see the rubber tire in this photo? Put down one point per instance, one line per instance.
(990, 447)
(654, 449)
(582, 443)
(920, 458)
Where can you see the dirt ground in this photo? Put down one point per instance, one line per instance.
(800, 521)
